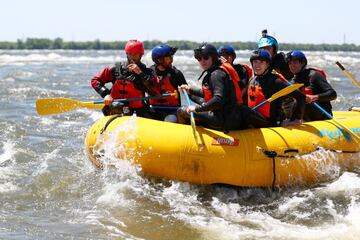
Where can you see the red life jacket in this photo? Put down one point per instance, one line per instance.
(307, 90)
(123, 88)
(162, 86)
(255, 97)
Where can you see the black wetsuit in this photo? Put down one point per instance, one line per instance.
(279, 64)
(270, 84)
(319, 86)
(213, 113)
(243, 75)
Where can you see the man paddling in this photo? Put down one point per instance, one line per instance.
(130, 79)
(316, 87)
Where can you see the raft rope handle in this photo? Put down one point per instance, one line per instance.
(109, 121)
(273, 155)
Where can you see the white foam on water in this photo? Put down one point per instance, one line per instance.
(7, 151)
(7, 167)
(55, 58)
(43, 167)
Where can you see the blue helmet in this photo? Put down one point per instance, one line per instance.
(162, 51)
(226, 50)
(296, 55)
(260, 54)
(267, 41)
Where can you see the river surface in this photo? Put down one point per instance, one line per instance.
(50, 190)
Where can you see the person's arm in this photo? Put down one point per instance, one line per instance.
(217, 84)
(98, 82)
(145, 80)
(322, 88)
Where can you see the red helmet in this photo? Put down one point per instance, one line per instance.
(134, 47)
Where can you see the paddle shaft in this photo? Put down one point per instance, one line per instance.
(136, 99)
(331, 117)
(192, 119)
(351, 77)
(261, 104)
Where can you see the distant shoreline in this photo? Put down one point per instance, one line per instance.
(58, 43)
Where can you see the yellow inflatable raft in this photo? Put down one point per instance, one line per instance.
(307, 154)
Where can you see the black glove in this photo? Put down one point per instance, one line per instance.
(115, 108)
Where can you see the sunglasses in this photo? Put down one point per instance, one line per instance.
(201, 57)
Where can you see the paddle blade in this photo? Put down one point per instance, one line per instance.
(46, 106)
(285, 91)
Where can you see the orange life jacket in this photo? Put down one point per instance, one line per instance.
(234, 77)
(162, 86)
(231, 72)
(255, 97)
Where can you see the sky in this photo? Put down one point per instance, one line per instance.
(290, 21)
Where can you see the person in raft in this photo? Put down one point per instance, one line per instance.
(244, 72)
(130, 79)
(316, 87)
(218, 109)
(167, 79)
(264, 84)
(278, 62)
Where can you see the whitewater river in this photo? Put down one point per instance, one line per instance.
(49, 189)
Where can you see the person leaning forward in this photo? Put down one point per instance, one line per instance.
(218, 108)
(217, 93)
(130, 79)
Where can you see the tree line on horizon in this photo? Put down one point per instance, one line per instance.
(58, 43)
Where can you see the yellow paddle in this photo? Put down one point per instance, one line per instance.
(348, 74)
(46, 106)
(281, 93)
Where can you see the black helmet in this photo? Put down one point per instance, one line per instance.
(206, 49)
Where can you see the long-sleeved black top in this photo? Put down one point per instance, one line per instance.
(270, 84)
(314, 80)
(223, 92)
(279, 64)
